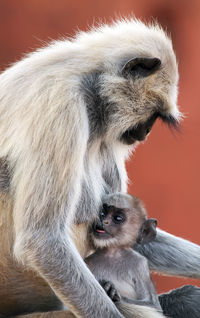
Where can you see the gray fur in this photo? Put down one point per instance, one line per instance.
(182, 302)
(114, 261)
(129, 272)
(172, 255)
(111, 182)
(4, 175)
(110, 171)
(97, 108)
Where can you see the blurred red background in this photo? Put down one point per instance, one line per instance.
(164, 172)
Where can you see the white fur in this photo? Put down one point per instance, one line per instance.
(44, 133)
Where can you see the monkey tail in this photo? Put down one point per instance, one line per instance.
(137, 311)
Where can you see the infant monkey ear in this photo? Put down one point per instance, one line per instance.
(147, 232)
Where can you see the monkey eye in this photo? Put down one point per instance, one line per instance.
(102, 215)
(118, 218)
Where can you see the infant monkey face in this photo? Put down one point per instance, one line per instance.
(111, 223)
(123, 222)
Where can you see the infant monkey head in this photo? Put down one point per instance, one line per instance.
(123, 222)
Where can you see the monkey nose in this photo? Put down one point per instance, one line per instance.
(148, 130)
(105, 222)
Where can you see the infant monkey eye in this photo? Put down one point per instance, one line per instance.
(118, 218)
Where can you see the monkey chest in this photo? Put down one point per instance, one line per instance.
(79, 234)
(119, 273)
(123, 282)
(125, 289)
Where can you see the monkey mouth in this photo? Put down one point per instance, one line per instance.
(128, 136)
(134, 134)
(99, 231)
(140, 131)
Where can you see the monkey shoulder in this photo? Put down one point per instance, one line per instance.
(139, 275)
(137, 259)
(138, 265)
(125, 255)
(124, 260)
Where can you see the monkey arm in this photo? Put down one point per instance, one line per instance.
(63, 268)
(142, 302)
(172, 255)
(46, 195)
(50, 252)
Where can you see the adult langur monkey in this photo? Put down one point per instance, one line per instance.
(70, 114)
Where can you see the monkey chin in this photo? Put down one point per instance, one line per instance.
(104, 242)
(101, 238)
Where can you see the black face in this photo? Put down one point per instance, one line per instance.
(111, 218)
(141, 67)
(140, 132)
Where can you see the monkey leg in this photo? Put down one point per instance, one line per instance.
(182, 302)
(52, 314)
(128, 311)
(135, 311)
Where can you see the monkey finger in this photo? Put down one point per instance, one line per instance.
(110, 290)
(105, 284)
(115, 295)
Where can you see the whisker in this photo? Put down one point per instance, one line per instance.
(171, 121)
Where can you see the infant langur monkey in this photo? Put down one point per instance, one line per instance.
(123, 273)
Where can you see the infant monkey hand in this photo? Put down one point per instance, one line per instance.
(110, 290)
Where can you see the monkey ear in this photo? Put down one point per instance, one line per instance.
(141, 66)
(147, 232)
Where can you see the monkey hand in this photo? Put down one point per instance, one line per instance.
(110, 290)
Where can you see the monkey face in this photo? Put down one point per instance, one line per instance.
(117, 227)
(141, 99)
(135, 85)
(111, 220)
(123, 222)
